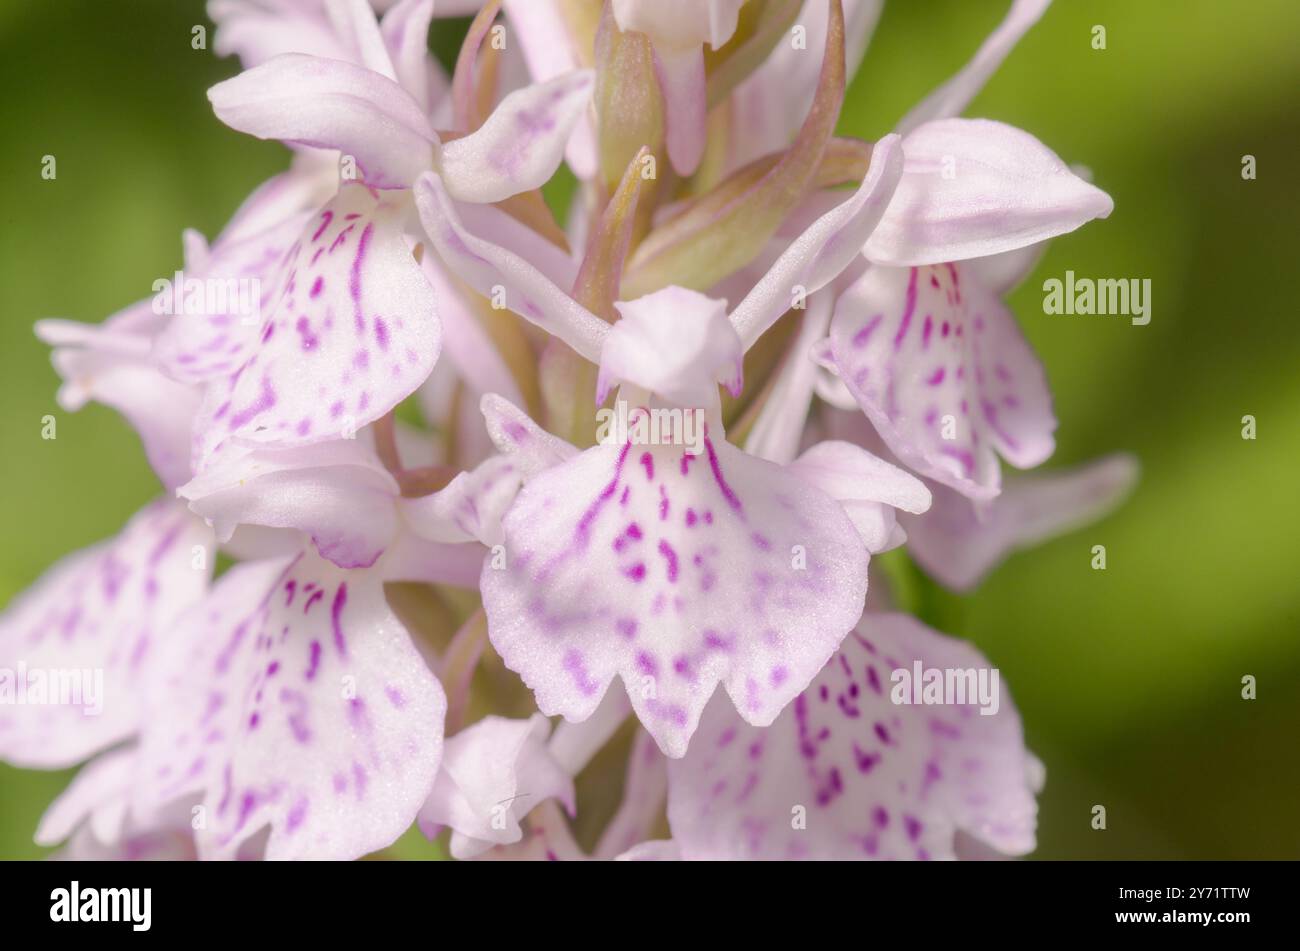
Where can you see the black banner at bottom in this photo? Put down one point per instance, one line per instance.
(338, 900)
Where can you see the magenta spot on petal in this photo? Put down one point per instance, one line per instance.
(862, 336)
(718, 477)
(296, 814)
(670, 556)
(336, 618)
(576, 669)
(326, 218)
(909, 306)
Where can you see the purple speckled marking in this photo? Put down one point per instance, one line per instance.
(670, 556)
(862, 336)
(582, 533)
(718, 477)
(354, 278)
(297, 813)
(574, 666)
(909, 307)
(336, 618)
(326, 218)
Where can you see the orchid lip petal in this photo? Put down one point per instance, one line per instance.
(103, 615)
(941, 369)
(679, 571)
(353, 333)
(296, 702)
(887, 779)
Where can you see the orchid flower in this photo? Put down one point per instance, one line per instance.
(351, 296)
(714, 567)
(213, 715)
(614, 465)
(847, 773)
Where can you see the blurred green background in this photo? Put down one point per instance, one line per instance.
(1128, 679)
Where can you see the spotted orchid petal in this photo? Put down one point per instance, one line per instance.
(522, 142)
(110, 364)
(847, 773)
(530, 448)
(96, 818)
(152, 845)
(470, 508)
(77, 644)
(354, 332)
(331, 104)
(204, 342)
(675, 572)
(336, 492)
(941, 369)
(954, 95)
(295, 699)
(959, 543)
(549, 52)
(869, 488)
(212, 325)
(675, 343)
(97, 796)
(493, 774)
(487, 266)
(972, 188)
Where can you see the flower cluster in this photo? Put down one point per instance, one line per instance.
(428, 544)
